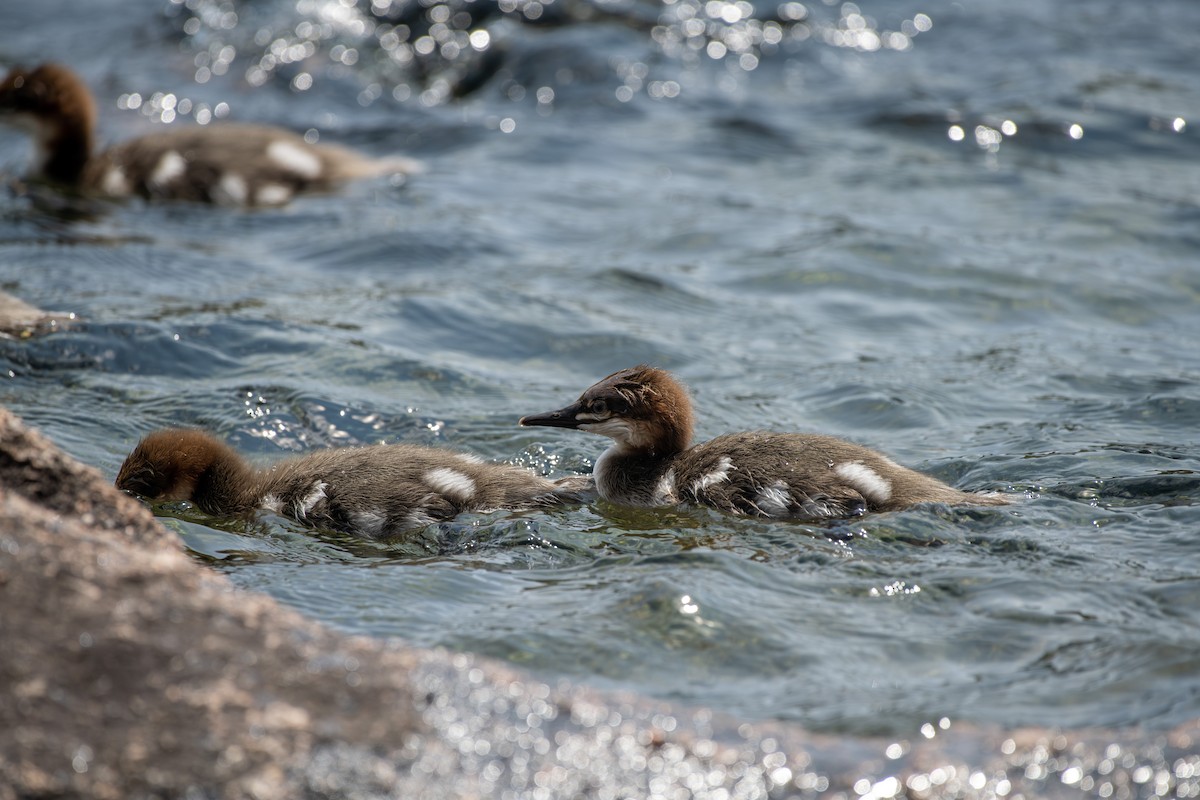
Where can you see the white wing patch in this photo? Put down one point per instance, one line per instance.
(869, 483)
(168, 168)
(718, 475)
(231, 190)
(272, 194)
(114, 183)
(316, 495)
(469, 458)
(774, 500)
(294, 158)
(271, 503)
(664, 490)
(450, 482)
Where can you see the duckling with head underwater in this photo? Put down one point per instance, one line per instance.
(375, 491)
(227, 163)
(648, 415)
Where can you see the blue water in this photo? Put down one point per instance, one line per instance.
(972, 245)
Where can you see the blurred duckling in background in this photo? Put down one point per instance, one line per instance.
(228, 164)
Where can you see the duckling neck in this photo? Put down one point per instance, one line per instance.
(635, 477)
(228, 487)
(66, 153)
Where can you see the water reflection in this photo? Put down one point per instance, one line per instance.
(437, 51)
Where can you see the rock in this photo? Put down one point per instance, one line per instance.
(130, 671)
(19, 320)
(133, 673)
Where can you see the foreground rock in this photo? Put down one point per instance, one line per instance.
(127, 671)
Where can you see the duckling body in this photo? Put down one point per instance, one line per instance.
(227, 163)
(780, 475)
(374, 491)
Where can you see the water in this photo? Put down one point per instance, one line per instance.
(823, 232)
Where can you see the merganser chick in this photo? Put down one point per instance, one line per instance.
(229, 164)
(374, 491)
(783, 475)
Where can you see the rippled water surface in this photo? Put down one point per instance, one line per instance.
(964, 233)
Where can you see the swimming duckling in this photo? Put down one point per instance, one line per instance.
(648, 415)
(230, 164)
(374, 491)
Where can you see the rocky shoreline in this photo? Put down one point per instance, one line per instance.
(19, 320)
(128, 670)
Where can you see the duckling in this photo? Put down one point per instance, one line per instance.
(229, 164)
(374, 491)
(648, 415)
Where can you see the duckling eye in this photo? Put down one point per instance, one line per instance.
(599, 407)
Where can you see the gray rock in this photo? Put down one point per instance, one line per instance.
(19, 320)
(129, 671)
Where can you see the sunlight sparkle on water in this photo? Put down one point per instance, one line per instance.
(480, 39)
(888, 787)
(893, 589)
(167, 107)
(347, 32)
(860, 32)
(663, 89)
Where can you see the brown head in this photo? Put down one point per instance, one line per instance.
(173, 464)
(54, 105)
(641, 408)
